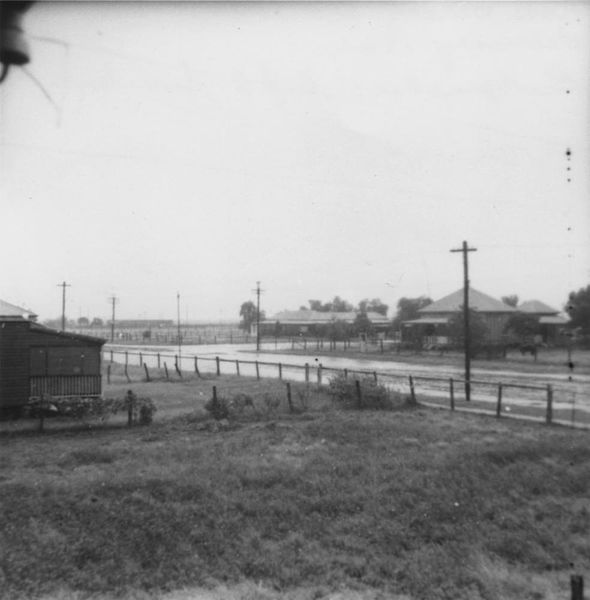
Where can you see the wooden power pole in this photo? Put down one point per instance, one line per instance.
(113, 300)
(178, 325)
(63, 285)
(258, 292)
(467, 342)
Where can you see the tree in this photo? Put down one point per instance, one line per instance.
(478, 330)
(338, 330)
(83, 322)
(362, 324)
(337, 305)
(511, 300)
(578, 308)
(522, 325)
(340, 305)
(97, 322)
(248, 314)
(374, 305)
(407, 309)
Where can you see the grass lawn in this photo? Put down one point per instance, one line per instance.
(407, 505)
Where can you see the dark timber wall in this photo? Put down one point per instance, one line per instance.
(35, 360)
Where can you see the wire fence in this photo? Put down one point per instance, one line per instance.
(553, 404)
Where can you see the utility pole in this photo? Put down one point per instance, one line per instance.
(178, 323)
(258, 291)
(63, 285)
(113, 300)
(465, 249)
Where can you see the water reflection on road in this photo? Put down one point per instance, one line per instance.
(271, 353)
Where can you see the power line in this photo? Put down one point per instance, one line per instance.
(467, 337)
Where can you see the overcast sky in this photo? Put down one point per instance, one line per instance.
(322, 149)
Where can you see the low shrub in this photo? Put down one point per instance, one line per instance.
(218, 407)
(367, 393)
(143, 409)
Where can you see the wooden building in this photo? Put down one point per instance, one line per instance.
(36, 360)
(316, 323)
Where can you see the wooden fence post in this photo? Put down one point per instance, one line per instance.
(375, 376)
(549, 416)
(140, 359)
(41, 412)
(111, 356)
(238, 368)
(177, 366)
(320, 374)
(345, 373)
(577, 587)
(217, 366)
(280, 371)
(499, 403)
(257, 370)
(359, 394)
(289, 398)
(147, 375)
(127, 374)
(158, 360)
(166, 369)
(412, 390)
(197, 367)
(129, 409)
(108, 373)
(452, 393)
(306, 372)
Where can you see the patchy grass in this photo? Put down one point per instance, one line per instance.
(411, 504)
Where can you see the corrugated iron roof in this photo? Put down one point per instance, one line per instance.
(67, 334)
(477, 301)
(12, 311)
(536, 307)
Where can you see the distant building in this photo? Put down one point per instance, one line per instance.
(314, 322)
(36, 360)
(432, 325)
(551, 323)
(435, 317)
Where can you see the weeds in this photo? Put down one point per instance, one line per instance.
(365, 393)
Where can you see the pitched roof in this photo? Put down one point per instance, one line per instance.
(68, 334)
(12, 311)
(536, 307)
(477, 301)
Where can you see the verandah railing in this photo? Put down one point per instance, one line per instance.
(65, 385)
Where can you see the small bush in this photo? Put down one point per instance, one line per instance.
(218, 407)
(373, 395)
